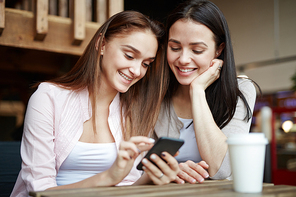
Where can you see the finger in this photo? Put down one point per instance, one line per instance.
(144, 147)
(154, 173)
(124, 155)
(170, 168)
(185, 173)
(204, 164)
(153, 178)
(192, 172)
(142, 143)
(216, 63)
(171, 161)
(198, 171)
(179, 180)
(130, 147)
(177, 153)
(142, 140)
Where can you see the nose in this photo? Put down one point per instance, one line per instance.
(135, 69)
(184, 57)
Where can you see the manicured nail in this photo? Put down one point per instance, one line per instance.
(163, 154)
(200, 180)
(206, 175)
(143, 167)
(151, 140)
(139, 151)
(182, 182)
(193, 181)
(145, 160)
(153, 157)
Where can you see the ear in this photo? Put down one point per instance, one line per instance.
(101, 50)
(219, 50)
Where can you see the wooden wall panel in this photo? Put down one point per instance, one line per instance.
(2, 16)
(19, 32)
(41, 19)
(89, 10)
(79, 21)
(101, 11)
(115, 6)
(63, 8)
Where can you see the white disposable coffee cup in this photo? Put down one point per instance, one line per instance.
(247, 156)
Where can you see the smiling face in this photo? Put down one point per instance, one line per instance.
(126, 59)
(191, 48)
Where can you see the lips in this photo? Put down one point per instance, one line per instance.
(124, 76)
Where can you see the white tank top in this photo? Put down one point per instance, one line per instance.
(189, 150)
(86, 160)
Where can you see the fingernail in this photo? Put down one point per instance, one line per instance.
(151, 140)
(200, 180)
(139, 151)
(193, 181)
(143, 167)
(145, 160)
(206, 175)
(182, 182)
(153, 156)
(163, 154)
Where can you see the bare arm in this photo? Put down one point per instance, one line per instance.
(210, 139)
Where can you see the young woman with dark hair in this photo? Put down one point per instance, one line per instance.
(205, 101)
(86, 128)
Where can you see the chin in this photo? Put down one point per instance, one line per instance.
(185, 82)
(123, 89)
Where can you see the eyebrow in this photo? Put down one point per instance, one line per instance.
(193, 43)
(136, 50)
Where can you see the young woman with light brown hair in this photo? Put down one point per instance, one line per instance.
(87, 128)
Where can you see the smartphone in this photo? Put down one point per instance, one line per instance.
(170, 145)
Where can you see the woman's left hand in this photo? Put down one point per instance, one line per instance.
(192, 172)
(165, 173)
(205, 79)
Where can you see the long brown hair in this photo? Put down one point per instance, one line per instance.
(226, 86)
(141, 103)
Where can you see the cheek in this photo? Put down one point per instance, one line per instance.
(171, 57)
(143, 72)
(204, 62)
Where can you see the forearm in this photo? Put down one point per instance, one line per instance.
(144, 179)
(100, 179)
(210, 139)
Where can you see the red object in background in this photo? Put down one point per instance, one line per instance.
(281, 175)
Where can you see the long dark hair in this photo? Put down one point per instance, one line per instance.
(226, 86)
(144, 97)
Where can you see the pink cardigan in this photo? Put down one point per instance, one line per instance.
(53, 125)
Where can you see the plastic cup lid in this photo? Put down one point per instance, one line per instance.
(250, 138)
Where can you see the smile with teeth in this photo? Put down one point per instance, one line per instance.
(186, 70)
(124, 76)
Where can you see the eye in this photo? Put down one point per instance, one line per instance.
(197, 52)
(175, 48)
(128, 56)
(147, 65)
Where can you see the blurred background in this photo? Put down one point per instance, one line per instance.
(41, 39)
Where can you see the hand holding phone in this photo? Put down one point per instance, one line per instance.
(170, 145)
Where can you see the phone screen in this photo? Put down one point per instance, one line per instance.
(170, 145)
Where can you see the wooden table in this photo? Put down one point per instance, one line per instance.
(208, 188)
